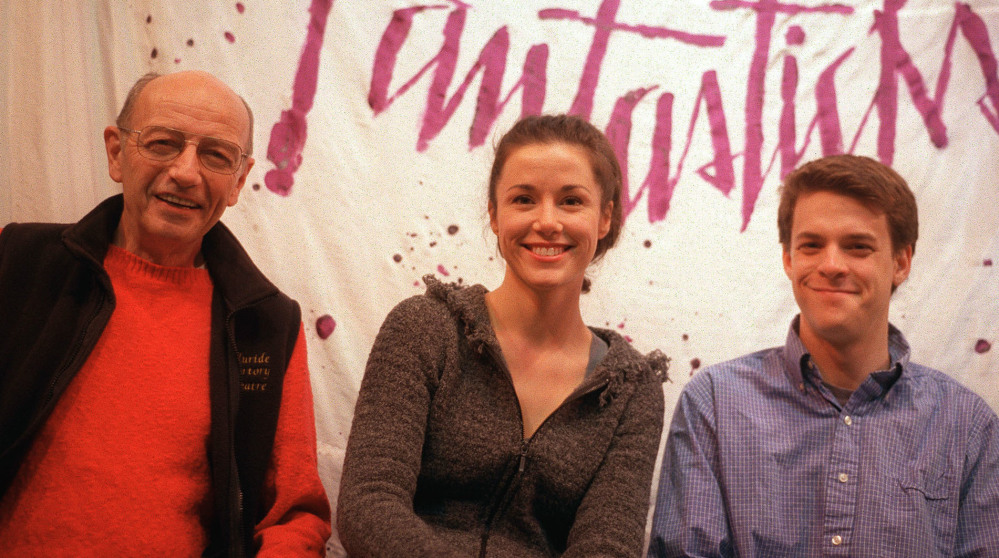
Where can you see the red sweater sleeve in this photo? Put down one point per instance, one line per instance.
(297, 522)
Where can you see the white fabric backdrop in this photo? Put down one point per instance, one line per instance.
(393, 164)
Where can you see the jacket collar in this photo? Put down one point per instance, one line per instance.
(233, 273)
(621, 364)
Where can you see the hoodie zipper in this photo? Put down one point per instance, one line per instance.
(506, 494)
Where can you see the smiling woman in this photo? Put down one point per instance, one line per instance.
(516, 430)
(548, 216)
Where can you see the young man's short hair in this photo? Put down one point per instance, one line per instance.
(875, 185)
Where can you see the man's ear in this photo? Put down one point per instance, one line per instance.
(113, 147)
(240, 182)
(903, 265)
(786, 258)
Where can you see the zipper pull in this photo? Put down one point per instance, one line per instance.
(523, 457)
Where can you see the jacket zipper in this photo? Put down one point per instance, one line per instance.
(75, 353)
(235, 523)
(105, 282)
(525, 443)
(504, 497)
(51, 391)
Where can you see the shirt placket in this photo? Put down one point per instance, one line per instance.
(841, 486)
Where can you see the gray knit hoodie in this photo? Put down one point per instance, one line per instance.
(437, 465)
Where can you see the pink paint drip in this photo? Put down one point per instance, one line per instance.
(240, 7)
(982, 346)
(325, 326)
(288, 135)
(795, 35)
(442, 270)
(230, 37)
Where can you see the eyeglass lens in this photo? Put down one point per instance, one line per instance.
(165, 144)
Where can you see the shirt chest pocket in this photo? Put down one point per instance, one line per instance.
(931, 484)
(928, 504)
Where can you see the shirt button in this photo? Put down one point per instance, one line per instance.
(843, 477)
(837, 540)
(847, 420)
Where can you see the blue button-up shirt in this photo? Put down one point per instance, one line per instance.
(762, 460)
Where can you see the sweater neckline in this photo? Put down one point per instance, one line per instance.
(121, 260)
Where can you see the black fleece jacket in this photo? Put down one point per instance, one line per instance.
(55, 301)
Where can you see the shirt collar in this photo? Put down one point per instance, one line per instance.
(797, 361)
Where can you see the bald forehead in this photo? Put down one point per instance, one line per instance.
(192, 96)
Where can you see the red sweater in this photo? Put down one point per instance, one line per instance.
(121, 465)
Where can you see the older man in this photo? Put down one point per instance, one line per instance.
(835, 444)
(154, 392)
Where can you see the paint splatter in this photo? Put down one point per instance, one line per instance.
(288, 135)
(442, 270)
(628, 338)
(256, 186)
(987, 263)
(647, 244)
(240, 7)
(620, 325)
(460, 280)
(397, 258)
(149, 19)
(982, 346)
(416, 283)
(230, 37)
(452, 230)
(795, 35)
(154, 53)
(176, 60)
(434, 243)
(190, 42)
(685, 337)
(325, 326)
(412, 235)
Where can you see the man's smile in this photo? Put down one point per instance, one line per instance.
(177, 201)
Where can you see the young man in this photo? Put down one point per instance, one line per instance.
(154, 391)
(835, 444)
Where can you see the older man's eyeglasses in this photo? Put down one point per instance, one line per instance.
(165, 144)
